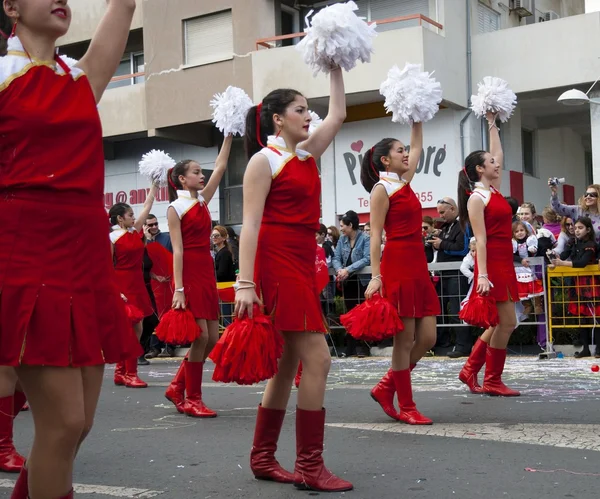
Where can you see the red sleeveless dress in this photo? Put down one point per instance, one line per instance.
(199, 280)
(59, 305)
(128, 259)
(286, 276)
(498, 229)
(404, 273)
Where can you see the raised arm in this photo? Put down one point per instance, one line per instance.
(380, 205)
(416, 146)
(140, 221)
(257, 183)
(476, 208)
(220, 166)
(565, 210)
(108, 44)
(323, 136)
(495, 147)
(177, 242)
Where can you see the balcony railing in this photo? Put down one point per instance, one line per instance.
(271, 41)
(127, 77)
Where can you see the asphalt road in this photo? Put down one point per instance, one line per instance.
(543, 444)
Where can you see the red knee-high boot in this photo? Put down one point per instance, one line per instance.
(10, 460)
(298, 375)
(21, 490)
(468, 374)
(494, 366)
(408, 410)
(193, 405)
(310, 472)
(176, 391)
(119, 378)
(262, 456)
(20, 402)
(384, 392)
(131, 377)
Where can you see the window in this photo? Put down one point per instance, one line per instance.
(528, 147)
(131, 64)
(290, 23)
(487, 19)
(208, 38)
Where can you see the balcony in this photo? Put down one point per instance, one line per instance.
(427, 44)
(86, 17)
(541, 56)
(123, 109)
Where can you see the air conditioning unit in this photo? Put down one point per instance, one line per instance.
(551, 15)
(523, 8)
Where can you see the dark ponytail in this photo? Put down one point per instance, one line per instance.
(372, 165)
(6, 27)
(116, 211)
(276, 102)
(466, 178)
(180, 168)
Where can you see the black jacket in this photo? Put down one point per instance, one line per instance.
(455, 243)
(581, 254)
(224, 266)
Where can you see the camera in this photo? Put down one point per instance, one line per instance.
(554, 181)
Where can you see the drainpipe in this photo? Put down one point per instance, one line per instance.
(469, 83)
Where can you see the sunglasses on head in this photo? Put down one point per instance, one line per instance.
(590, 195)
(441, 201)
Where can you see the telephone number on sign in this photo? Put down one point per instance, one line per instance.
(424, 197)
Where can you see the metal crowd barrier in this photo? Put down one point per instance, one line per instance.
(574, 299)
(452, 287)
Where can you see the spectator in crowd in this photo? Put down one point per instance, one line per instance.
(428, 234)
(514, 206)
(234, 245)
(588, 206)
(428, 226)
(321, 237)
(333, 235)
(224, 266)
(352, 255)
(566, 238)
(528, 214)
(367, 229)
(154, 234)
(452, 245)
(551, 221)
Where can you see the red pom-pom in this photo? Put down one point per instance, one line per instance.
(248, 352)
(480, 311)
(134, 314)
(178, 327)
(374, 320)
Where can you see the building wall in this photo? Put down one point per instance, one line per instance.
(123, 181)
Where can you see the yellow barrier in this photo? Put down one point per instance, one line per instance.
(573, 298)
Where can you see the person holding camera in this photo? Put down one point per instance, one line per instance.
(589, 204)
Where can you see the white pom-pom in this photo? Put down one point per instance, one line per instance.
(496, 96)
(230, 109)
(69, 60)
(337, 37)
(411, 95)
(315, 121)
(155, 165)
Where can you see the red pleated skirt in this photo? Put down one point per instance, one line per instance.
(59, 304)
(286, 278)
(200, 284)
(131, 284)
(501, 271)
(406, 280)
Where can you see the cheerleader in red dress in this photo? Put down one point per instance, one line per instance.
(61, 316)
(387, 171)
(282, 192)
(127, 238)
(482, 205)
(190, 228)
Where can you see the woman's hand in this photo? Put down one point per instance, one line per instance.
(553, 187)
(245, 298)
(178, 300)
(491, 118)
(342, 274)
(123, 297)
(557, 262)
(483, 286)
(373, 288)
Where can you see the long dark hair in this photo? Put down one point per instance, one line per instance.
(276, 102)
(117, 210)
(6, 26)
(466, 178)
(180, 168)
(587, 222)
(372, 165)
